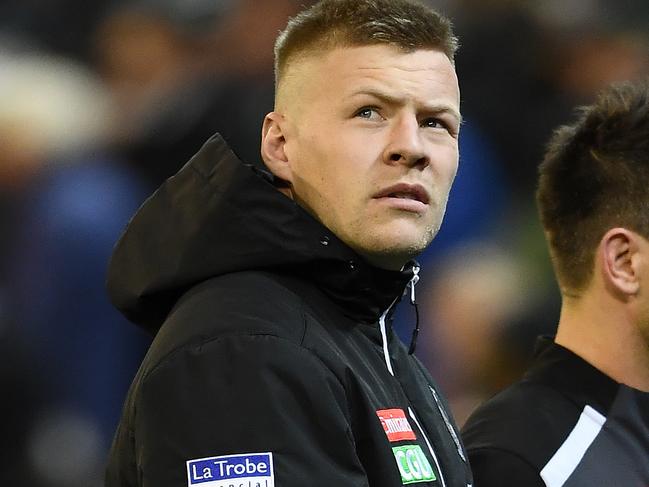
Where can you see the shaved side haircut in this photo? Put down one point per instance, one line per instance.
(330, 24)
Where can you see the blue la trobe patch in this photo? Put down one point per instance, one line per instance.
(242, 470)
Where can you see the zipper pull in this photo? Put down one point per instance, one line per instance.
(413, 301)
(413, 281)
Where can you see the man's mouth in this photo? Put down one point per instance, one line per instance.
(407, 196)
(406, 191)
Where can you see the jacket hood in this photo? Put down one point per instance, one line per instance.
(218, 215)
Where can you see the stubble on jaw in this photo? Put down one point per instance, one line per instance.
(391, 254)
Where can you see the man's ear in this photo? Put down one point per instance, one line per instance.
(619, 254)
(273, 145)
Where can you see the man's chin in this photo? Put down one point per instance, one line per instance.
(394, 256)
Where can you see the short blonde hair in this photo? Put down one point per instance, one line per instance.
(328, 24)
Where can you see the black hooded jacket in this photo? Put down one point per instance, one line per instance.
(272, 363)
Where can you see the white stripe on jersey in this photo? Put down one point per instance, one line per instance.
(567, 457)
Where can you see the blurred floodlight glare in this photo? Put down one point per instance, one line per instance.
(57, 104)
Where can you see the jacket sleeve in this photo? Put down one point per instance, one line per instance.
(242, 409)
(499, 468)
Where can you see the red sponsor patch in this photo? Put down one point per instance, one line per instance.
(395, 424)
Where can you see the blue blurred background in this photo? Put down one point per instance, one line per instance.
(101, 101)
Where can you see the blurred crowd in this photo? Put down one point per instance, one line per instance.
(100, 102)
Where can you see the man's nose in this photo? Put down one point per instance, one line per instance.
(405, 145)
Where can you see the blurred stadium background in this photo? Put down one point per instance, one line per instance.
(101, 101)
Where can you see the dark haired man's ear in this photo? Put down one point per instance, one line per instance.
(273, 144)
(621, 261)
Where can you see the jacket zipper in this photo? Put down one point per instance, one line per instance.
(388, 364)
(430, 447)
(384, 336)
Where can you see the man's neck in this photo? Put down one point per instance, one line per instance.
(602, 333)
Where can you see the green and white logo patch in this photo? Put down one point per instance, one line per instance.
(413, 465)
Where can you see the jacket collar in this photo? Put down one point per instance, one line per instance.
(217, 216)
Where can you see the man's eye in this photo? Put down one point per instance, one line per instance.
(368, 113)
(433, 123)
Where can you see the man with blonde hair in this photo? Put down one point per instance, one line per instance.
(270, 294)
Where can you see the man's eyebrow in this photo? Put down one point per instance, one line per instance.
(397, 100)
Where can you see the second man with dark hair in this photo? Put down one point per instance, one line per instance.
(580, 416)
